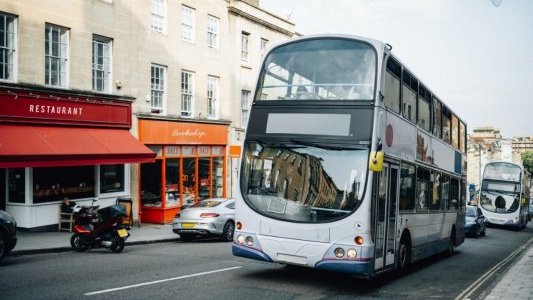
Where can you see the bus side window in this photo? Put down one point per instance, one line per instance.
(392, 85)
(407, 188)
(446, 125)
(455, 132)
(409, 92)
(454, 194)
(423, 190)
(424, 108)
(437, 119)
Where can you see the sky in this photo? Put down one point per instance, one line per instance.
(475, 55)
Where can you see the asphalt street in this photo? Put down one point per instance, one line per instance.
(207, 270)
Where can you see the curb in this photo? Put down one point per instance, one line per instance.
(68, 248)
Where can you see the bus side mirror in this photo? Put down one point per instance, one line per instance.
(375, 163)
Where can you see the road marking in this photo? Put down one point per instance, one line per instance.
(474, 286)
(160, 281)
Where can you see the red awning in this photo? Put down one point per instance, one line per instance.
(47, 146)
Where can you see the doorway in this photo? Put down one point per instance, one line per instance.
(386, 212)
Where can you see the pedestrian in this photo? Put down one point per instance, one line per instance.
(67, 205)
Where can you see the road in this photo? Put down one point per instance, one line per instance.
(207, 270)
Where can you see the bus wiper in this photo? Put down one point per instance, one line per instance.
(327, 146)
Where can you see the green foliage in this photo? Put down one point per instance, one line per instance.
(527, 158)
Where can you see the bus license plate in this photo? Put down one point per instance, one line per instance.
(187, 225)
(122, 233)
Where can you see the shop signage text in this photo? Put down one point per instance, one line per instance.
(51, 109)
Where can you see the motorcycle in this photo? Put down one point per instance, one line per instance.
(95, 228)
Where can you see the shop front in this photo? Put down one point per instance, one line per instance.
(190, 166)
(57, 144)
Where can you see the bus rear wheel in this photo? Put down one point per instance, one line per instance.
(451, 244)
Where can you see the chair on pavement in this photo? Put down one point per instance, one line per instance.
(66, 221)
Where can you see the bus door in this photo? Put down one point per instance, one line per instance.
(385, 227)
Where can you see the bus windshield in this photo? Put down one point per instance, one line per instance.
(500, 197)
(303, 182)
(319, 69)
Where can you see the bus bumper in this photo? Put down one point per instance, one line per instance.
(247, 252)
(358, 268)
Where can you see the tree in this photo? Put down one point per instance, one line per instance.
(527, 159)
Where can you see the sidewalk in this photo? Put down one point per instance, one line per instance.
(517, 283)
(41, 242)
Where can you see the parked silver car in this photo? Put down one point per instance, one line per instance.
(8, 233)
(207, 217)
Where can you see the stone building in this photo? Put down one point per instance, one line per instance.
(486, 144)
(94, 93)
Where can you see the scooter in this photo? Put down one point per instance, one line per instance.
(95, 228)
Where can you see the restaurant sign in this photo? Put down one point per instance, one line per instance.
(22, 107)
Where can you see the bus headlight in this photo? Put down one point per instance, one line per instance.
(352, 253)
(339, 252)
(249, 241)
(240, 239)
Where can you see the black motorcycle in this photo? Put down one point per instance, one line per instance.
(95, 228)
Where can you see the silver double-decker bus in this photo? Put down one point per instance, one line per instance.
(350, 163)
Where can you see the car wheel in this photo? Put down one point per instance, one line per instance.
(484, 232)
(3, 246)
(227, 233)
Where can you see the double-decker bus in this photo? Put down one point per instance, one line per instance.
(504, 194)
(350, 163)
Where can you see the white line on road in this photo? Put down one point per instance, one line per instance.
(474, 286)
(160, 281)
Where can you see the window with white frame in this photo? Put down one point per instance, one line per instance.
(245, 46)
(159, 16)
(264, 43)
(213, 25)
(245, 107)
(56, 55)
(187, 23)
(102, 55)
(187, 96)
(212, 96)
(158, 89)
(7, 47)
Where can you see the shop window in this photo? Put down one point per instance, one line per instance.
(172, 173)
(218, 177)
(407, 188)
(204, 167)
(423, 190)
(151, 184)
(111, 178)
(189, 181)
(54, 184)
(16, 185)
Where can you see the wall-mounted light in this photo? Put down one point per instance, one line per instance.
(118, 84)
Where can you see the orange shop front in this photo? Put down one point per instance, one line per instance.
(190, 166)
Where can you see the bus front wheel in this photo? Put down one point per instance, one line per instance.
(404, 255)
